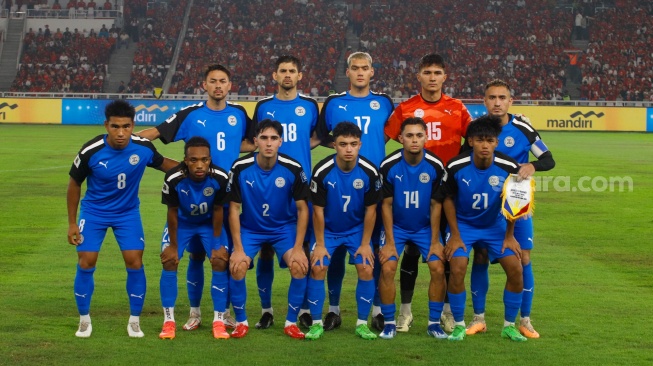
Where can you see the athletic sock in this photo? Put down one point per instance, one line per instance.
(511, 302)
(388, 311)
(480, 283)
(296, 292)
(364, 297)
(457, 304)
(238, 290)
(336, 274)
(435, 311)
(264, 279)
(83, 289)
(195, 281)
(168, 288)
(315, 296)
(529, 288)
(219, 290)
(136, 288)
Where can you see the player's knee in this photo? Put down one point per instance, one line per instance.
(436, 268)
(87, 262)
(296, 271)
(239, 271)
(458, 269)
(365, 273)
(318, 272)
(133, 258)
(525, 257)
(389, 269)
(218, 264)
(170, 266)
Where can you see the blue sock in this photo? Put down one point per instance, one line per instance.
(219, 290)
(195, 281)
(315, 297)
(435, 310)
(480, 284)
(529, 287)
(168, 288)
(305, 302)
(238, 291)
(364, 297)
(136, 288)
(376, 272)
(511, 302)
(264, 278)
(83, 289)
(388, 311)
(335, 275)
(457, 303)
(296, 293)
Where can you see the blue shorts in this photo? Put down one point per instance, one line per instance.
(127, 228)
(194, 239)
(524, 233)
(281, 239)
(422, 239)
(195, 245)
(490, 238)
(351, 242)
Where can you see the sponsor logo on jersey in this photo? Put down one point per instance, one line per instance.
(419, 112)
(509, 141)
(134, 159)
(300, 111)
(272, 113)
(343, 107)
(203, 123)
(358, 183)
(280, 182)
(165, 188)
(313, 186)
(77, 161)
(232, 120)
(493, 180)
(375, 105)
(104, 164)
(208, 191)
(424, 178)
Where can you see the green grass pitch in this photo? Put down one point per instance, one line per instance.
(593, 264)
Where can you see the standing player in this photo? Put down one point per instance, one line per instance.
(517, 139)
(471, 191)
(195, 193)
(411, 177)
(369, 111)
(298, 116)
(114, 164)
(272, 190)
(345, 189)
(446, 121)
(228, 129)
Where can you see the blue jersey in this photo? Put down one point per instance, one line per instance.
(298, 118)
(267, 196)
(412, 188)
(477, 192)
(518, 138)
(345, 196)
(224, 130)
(114, 175)
(370, 113)
(195, 200)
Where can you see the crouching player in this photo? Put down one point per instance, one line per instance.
(195, 192)
(471, 195)
(411, 177)
(272, 190)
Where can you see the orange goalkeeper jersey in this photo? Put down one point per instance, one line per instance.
(446, 123)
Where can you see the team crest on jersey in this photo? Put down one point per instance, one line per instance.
(232, 120)
(280, 182)
(134, 159)
(419, 113)
(509, 141)
(424, 178)
(375, 105)
(313, 186)
(165, 188)
(300, 111)
(358, 183)
(493, 180)
(81, 238)
(208, 191)
(303, 177)
(77, 161)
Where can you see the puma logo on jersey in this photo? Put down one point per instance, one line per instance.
(332, 184)
(466, 181)
(343, 107)
(203, 123)
(104, 164)
(272, 113)
(447, 111)
(186, 192)
(399, 177)
(251, 184)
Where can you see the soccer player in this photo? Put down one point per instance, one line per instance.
(370, 111)
(411, 177)
(195, 193)
(471, 194)
(272, 191)
(113, 165)
(298, 116)
(446, 121)
(229, 130)
(516, 140)
(345, 190)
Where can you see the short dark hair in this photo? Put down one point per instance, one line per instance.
(196, 141)
(485, 126)
(119, 108)
(288, 59)
(498, 82)
(413, 121)
(216, 67)
(430, 60)
(268, 123)
(347, 129)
